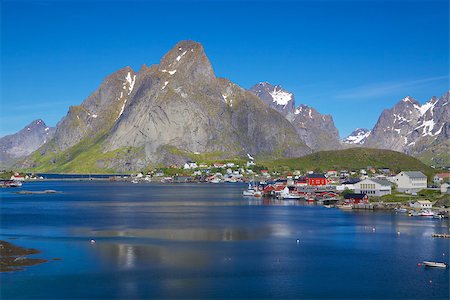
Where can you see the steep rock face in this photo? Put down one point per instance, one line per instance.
(181, 104)
(24, 142)
(98, 112)
(316, 130)
(275, 96)
(357, 137)
(418, 130)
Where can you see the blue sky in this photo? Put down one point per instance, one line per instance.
(351, 59)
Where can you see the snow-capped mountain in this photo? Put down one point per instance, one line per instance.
(316, 130)
(164, 113)
(24, 142)
(418, 130)
(357, 137)
(275, 96)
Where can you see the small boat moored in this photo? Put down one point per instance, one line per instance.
(435, 264)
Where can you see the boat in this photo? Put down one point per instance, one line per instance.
(134, 181)
(291, 196)
(10, 183)
(413, 213)
(345, 206)
(251, 191)
(401, 210)
(426, 213)
(435, 264)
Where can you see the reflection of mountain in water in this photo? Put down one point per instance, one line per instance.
(190, 234)
(135, 256)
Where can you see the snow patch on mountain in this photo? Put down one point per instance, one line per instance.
(280, 96)
(357, 137)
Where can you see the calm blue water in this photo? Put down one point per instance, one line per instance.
(207, 241)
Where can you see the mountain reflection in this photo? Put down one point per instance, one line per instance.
(189, 234)
(127, 256)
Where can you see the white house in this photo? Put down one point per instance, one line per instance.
(411, 181)
(438, 178)
(190, 165)
(445, 188)
(348, 184)
(421, 204)
(373, 187)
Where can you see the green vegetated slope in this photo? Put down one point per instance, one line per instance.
(353, 159)
(85, 157)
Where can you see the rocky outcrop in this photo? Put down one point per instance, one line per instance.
(29, 139)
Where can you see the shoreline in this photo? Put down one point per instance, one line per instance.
(15, 258)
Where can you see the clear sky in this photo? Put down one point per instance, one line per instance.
(351, 59)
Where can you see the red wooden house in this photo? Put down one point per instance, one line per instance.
(356, 198)
(316, 179)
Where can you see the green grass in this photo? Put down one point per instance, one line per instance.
(432, 195)
(84, 157)
(352, 159)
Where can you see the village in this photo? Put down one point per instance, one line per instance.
(369, 188)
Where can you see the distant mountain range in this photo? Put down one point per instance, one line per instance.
(419, 130)
(168, 113)
(23, 143)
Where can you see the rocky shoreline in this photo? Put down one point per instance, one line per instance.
(15, 258)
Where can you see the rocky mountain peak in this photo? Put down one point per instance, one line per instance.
(357, 137)
(24, 142)
(412, 128)
(187, 60)
(275, 96)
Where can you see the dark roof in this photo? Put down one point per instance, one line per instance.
(351, 181)
(354, 196)
(316, 176)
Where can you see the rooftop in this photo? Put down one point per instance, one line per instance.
(415, 174)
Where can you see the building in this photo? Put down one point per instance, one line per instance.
(445, 188)
(348, 184)
(316, 179)
(373, 187)
(331, 173)
(356, 198)
(421, 204)
(411, 181)
(438, 178)
(190, 165)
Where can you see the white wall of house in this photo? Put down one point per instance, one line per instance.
(421, 204)
(372, 188)
(410, 185)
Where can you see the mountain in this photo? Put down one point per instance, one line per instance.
(275, 96)
(162, 115)
(29, 139)
(419, 130)
(357, 137)
(316, 130)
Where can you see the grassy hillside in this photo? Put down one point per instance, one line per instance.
(352, 159)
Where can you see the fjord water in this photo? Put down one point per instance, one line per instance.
(207, 241)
